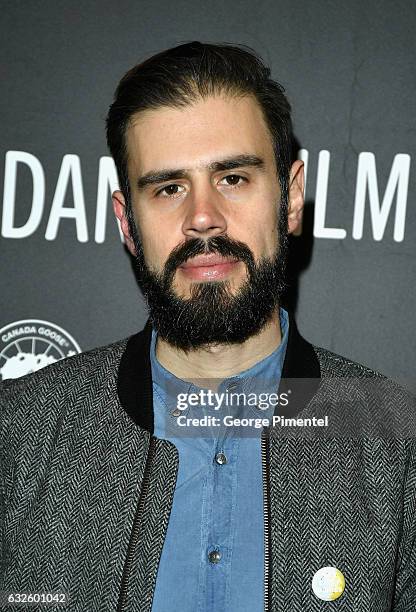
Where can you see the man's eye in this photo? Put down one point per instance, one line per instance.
(170, 190)
(233, 180)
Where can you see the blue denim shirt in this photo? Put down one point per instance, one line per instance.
(213, 555)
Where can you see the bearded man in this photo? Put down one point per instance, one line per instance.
(113, 493)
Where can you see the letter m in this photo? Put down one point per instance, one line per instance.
(398, 182)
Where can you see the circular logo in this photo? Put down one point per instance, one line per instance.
(328, 583)
(29, 345)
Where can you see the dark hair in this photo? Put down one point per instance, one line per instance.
(176, 77)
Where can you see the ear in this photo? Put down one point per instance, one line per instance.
(119, 207)
(296, 196)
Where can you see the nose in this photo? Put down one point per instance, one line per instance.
(204, 216)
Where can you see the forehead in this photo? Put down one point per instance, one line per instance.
(208, 129)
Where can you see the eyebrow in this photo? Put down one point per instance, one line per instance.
(229, 163)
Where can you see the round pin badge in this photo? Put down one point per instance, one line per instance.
(328, 583)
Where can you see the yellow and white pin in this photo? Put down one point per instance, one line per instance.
(328, 583)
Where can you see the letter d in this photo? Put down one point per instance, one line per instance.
(9, 195)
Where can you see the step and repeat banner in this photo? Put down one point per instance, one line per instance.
(67, 283)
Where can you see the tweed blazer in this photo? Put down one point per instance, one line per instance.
(86, 489)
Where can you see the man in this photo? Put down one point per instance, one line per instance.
(113, 496)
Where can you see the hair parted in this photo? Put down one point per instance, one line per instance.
(179, 76)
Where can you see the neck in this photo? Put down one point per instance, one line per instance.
(220, 360)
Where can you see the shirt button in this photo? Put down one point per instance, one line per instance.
(176, 412)
(214, 556)
(220, 458)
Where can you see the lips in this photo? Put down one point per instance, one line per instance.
(205, 261)
(209, 267)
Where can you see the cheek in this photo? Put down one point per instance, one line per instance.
(148, 234)
(152, 249)
(264, 234)
(273, 227)
(145, 234)
(158, 244)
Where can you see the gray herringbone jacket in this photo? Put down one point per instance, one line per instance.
(86, 489)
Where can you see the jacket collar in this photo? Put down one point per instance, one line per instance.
(134, 381)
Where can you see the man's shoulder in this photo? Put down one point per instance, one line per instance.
(332, 364)
(77, 365)
(365, 398)
(70, 379)
(342, 372)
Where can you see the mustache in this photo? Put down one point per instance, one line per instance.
(222, 245)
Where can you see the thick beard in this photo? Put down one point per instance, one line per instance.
(212, 314)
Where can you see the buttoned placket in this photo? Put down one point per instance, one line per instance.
(218, 514)
(218, 517)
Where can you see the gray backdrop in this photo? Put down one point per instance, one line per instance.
(349, 72)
